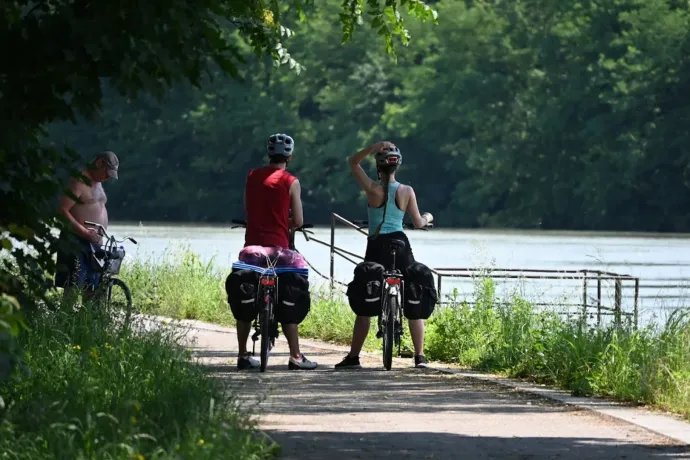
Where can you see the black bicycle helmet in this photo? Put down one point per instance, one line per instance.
(280, 144)
(388, 156)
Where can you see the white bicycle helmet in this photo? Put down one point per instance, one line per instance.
(388, 156)
(280, 144)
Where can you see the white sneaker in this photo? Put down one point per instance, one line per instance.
(247, 362)
(301, 364)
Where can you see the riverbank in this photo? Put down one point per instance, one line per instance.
(88, 391)
(649, 366)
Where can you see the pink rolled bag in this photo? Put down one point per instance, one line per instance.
(256, 255)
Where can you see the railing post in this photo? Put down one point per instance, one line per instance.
(332, 250)
(637, 295)
(440, 296)
(584, 295)
(598, 299)
(618, 301)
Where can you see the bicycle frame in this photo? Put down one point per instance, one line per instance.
(393, 287)
(108, 253)
(268, 294)
(109, 247)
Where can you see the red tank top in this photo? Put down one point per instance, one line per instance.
(268, 204)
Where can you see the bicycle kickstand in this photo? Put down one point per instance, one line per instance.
(255, 337)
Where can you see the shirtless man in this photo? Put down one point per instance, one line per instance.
(75, 247)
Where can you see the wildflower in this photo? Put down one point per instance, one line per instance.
(268, 17)
(76, 347)
(108, 346)
(201, 442)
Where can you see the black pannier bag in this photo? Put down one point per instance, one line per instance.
(294, 299)
(420, 295)
(242, 287)
(366, 288)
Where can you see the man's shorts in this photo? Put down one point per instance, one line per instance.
(73, 267)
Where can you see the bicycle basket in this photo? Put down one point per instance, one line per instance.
(115, 257)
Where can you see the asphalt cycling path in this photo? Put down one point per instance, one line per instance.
(413, 413)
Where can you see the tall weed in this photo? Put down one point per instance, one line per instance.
(650, 365)
(180, 285)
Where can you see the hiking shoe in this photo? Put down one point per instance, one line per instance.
(349, 363)
(420, 361)
(302, 364)
(247, 362)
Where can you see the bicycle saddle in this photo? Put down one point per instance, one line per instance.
(397, 245)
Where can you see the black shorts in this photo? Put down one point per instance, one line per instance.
(379, 251)
(73, 266)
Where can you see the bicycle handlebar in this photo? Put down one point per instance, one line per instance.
(102, 232)
(243, 223)
(364, 223)
(303, 228)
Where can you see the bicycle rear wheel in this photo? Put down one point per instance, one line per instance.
(388, 312)
(266, 331)
(119, 301)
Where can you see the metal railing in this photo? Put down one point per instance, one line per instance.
(586, 277)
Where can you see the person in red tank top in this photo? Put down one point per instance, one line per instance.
(270, 194)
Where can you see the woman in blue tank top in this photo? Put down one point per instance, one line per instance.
(388, 201)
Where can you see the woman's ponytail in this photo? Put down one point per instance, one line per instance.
(385, 206)
(385, 175)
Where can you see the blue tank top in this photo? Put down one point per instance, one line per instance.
(394, 216)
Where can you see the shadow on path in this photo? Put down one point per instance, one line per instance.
(429, 445)
(415, 413)
(373, 390)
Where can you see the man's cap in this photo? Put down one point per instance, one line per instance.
(111, 163)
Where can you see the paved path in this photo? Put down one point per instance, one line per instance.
(412, 413)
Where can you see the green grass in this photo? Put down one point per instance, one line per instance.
(88, 392)
(647, 366)
(181, 286)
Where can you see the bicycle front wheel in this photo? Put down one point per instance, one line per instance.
(119, 301)
(266, 331)
(388, 313)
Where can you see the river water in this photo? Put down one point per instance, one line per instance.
(662, 262)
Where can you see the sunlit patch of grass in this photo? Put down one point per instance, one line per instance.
(180, 285)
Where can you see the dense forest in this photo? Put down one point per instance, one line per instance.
(509, 113)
